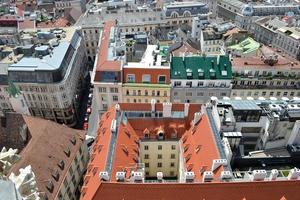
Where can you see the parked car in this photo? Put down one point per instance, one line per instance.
(89, 110)
(85, 126)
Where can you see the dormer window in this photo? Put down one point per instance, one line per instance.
(189, 74)
(130, 78)
(200, 73)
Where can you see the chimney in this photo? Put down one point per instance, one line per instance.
(197, 117)
(208, 176)
(217, 163)
(117, 107)
(259, 175)
(294, 174)
(167, 109)
(273, 175)
(104, 176)
(186, 109)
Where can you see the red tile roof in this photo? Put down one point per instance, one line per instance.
(103, 64)
(267, 190)
(45, 150)
(202, 150)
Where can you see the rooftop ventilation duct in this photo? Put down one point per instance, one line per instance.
(104, 176)
(259, 175)
(208, 176)
(120, 176)
(189, 177)
(217, 163)
(226, 175)
(294, 174)
(159, 176)
(137, 176)
(273, 175)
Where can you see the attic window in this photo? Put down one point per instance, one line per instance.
(100, 148)
(184, 139)
(125, 150)
(107, 115)
(200, 73)
(198, 148)
(101, 124)
(137, 142)
(50, 186)
(189, 74)
(146, 135)
(194, 130)
(224, 73)
(190, 167)
(61, 164)
(186, 148)
(127, 132)
(203, 169)
(67, 152)
(188, 157)
(73, 140)
(135, 160)
(55, 175)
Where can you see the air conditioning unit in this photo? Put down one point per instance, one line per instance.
(294, 174)
(208, 176)
(137, 176)
(221, 112)
(120, 176)
(226, 175)
(104, 176)
(217, 163)
(160, 176)
(189, 176)
(259, 175)
(273, 175)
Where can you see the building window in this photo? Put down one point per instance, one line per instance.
(172, 164)
(130, 78)
(159, 156)
(146, 156)
(147, 165)
(165, 94)
(162, 79)
(115, 98)
(177, 83)
(159, 147)
(102, 89)
(146, 147)
(173, 147)
(172, 156)
(153, 92)
(114, 90)
(159, 164)
(171, 173)
(146, 92)
(285, 93)
(146, 78)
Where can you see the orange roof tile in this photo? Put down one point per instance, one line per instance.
(268, 190)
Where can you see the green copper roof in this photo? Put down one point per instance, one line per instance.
(12, 89)
(246, 46)
(201, 67)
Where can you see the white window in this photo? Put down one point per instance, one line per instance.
(130, 78)
(146, 78)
